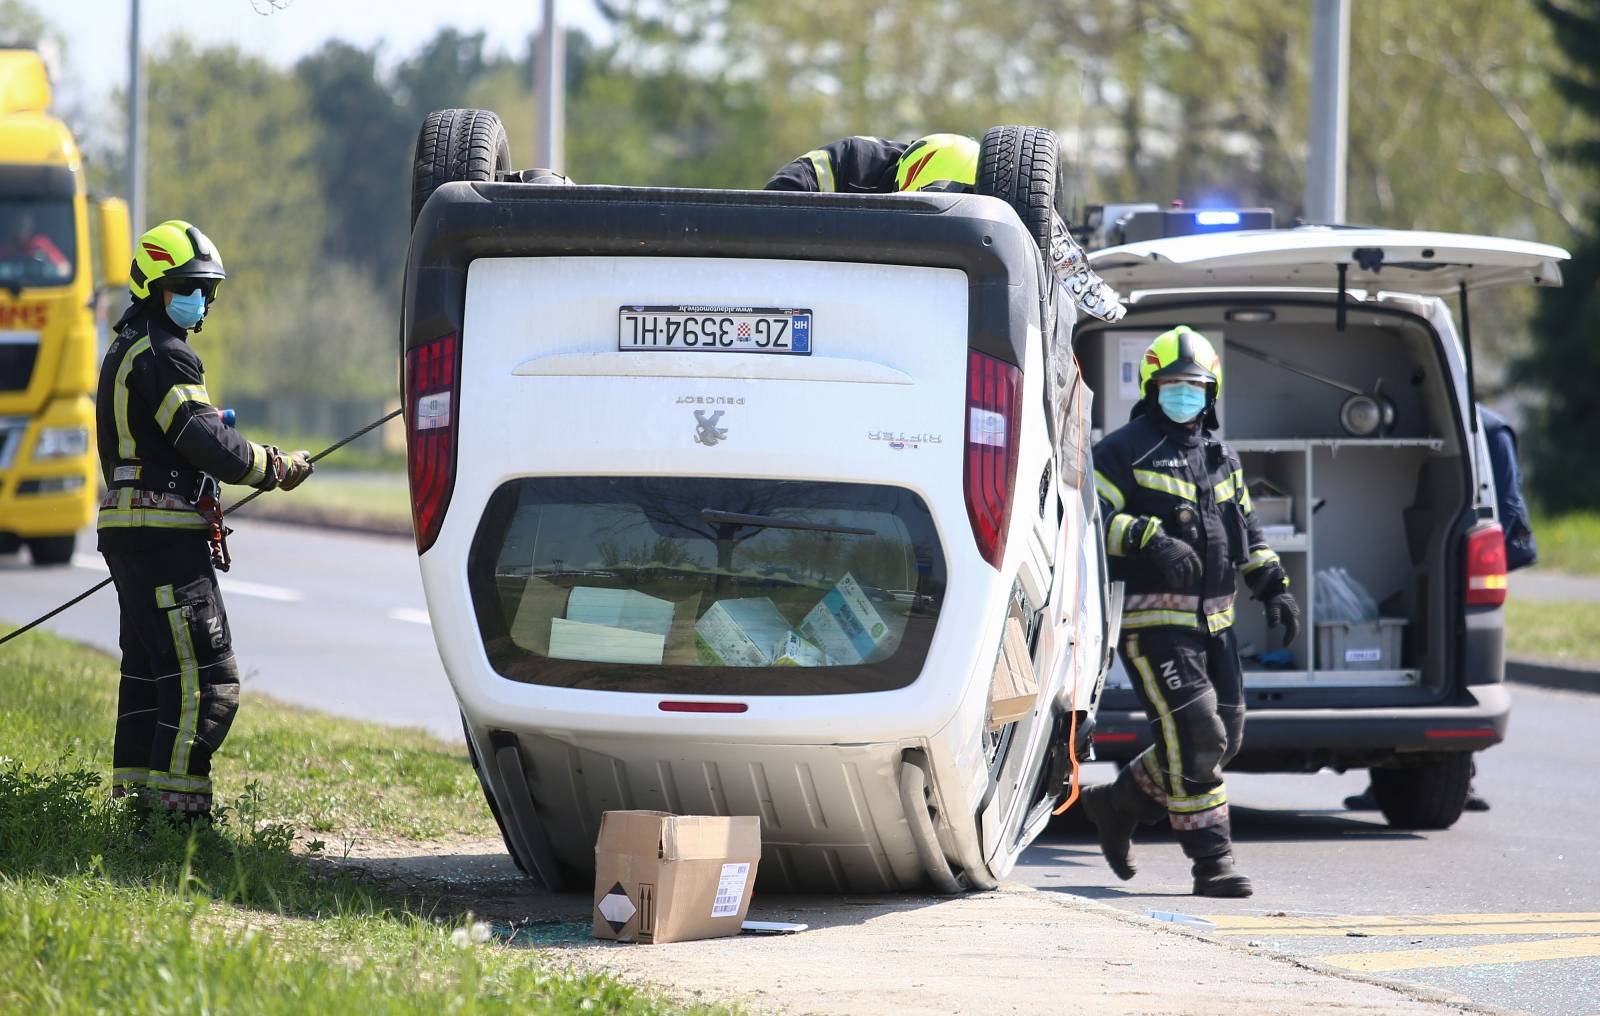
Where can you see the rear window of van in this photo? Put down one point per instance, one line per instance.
(706, 586)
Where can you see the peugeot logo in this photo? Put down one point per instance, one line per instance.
(706, 431)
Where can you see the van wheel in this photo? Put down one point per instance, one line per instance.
(1018, 166)
(457, 144)
(1426, 796)
(488, 795)
(52, 550)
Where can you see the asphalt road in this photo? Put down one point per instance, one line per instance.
(1504, 908)
(319, 618)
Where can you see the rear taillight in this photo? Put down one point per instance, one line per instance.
(991, 469)
(432, 387)
(1486, 566)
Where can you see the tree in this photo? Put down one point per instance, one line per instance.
(1565, 361)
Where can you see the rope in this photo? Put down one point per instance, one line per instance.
(36, 622)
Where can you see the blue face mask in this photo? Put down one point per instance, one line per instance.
(187, 309)
(1181, 403)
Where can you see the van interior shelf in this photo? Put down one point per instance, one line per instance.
(1257, 679)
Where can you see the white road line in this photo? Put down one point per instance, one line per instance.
(237, 587)
(412, 614)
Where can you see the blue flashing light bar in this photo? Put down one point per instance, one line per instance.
(1213, 217)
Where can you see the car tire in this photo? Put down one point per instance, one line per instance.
(1430, 795)
(50, 551)
(1018, 166)
(455, 145)
(488, 795)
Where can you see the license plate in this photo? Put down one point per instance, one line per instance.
(689, 328)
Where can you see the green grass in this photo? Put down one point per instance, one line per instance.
(1559, 631)
(365, 454)
(331, 496)
(1569, 543)
(106, 910)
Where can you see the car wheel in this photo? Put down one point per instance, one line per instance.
(52, 550)
(1018, 166)
(488, 795)
(453, 145)
(1426, 796)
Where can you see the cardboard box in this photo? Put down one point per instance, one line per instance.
(673, 878)
(1014, 686)
(741, 633)
(794, 651)
(845, 624)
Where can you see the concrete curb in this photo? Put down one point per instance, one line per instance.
(1545, 674)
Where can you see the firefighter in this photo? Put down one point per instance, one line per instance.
(163, 447)
(937, 162)
(1179, 529)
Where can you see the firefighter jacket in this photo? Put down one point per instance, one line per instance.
(1153, 476)
(159, 437)
(858, 165)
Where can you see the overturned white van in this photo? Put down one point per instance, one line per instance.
(724, 501)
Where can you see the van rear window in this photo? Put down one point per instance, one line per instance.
(706, 586)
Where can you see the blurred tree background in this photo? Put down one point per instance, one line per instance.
(1459, 120)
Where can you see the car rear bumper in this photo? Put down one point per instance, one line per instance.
(1476, 720)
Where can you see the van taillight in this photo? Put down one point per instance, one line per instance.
(1486, 566)
(991, 467)
(431, 390)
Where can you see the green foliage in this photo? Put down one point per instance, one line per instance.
(1559, 631)
(1569, 543)
(108, 910)
(1565, 362)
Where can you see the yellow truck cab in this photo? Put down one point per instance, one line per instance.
(48, 338)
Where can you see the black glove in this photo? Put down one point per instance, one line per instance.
(1180, 565)
(290, 468)
(1283, 610)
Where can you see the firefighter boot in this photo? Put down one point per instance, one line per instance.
(1216, 876)
(1106, 805)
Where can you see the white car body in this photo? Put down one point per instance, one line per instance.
(544, 391)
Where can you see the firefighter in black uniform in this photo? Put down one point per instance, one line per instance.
(163, 447)
(1179, 529)
(936, 162)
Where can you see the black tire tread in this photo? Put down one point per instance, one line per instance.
(1018, 165)
(52, 551)
(457, 144)
(1427, 796)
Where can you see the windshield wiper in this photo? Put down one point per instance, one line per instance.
(773, 522)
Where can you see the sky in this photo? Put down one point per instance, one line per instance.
(97, 30)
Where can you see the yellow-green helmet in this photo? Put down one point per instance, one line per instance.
(1181, 354)
(938, 162)
(172, 251)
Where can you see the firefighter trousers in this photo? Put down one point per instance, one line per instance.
(1192, 690)
(180, 684)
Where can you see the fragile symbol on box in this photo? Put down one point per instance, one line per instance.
(730, 890)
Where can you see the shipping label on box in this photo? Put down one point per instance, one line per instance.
(672, 878)
(845, 623)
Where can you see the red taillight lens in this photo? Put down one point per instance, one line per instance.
(674, 706)
(1486, 566)
(993, 387)
(431, 393)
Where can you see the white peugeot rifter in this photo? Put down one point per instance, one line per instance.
(726, 500)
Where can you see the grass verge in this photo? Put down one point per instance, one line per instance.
(375, 501)
(1554, 630)
(105, 910)
(1569, 543)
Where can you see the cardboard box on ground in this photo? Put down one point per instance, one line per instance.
(673, 878)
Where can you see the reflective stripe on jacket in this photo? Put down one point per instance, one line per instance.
(1154, 476)
(859, 165)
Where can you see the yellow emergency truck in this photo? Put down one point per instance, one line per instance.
(48, 337)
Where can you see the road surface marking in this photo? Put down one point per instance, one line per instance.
(1431, 930)
(411, 614)
(238, 587)
(1406, 924)
(1503, 952)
